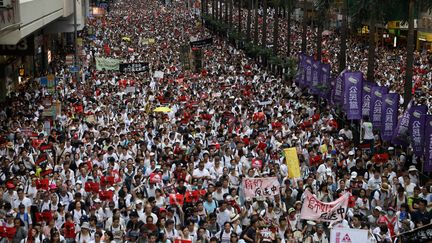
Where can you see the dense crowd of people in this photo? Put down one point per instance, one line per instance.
(107, 167)
(390, 60)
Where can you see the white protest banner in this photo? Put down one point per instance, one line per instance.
(158, 74)
(314, 209)
(108, 64)
(255, 187)
(346, 235)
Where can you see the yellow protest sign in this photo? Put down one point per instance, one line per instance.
(292, 162)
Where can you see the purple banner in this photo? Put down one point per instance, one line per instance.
(324, 91)
(400, 136)
(339, 89)
(307, 82)
(377, 94)
(353, 94)
(389, 115)
(367, 91)
(316, 76)
(416, 127)
(428, 144)
(300, 75)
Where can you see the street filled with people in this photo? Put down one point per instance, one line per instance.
(143, 149)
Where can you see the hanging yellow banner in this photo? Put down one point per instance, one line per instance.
(292, 162)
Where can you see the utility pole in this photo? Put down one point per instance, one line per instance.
(75, 39)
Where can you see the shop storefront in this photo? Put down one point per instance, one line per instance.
(15, 60)
(424, 41)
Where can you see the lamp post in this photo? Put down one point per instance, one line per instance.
(75, 39)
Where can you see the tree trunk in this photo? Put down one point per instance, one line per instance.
(249, 20)
(231, 5)
(344, 34)
(276, 30)
(240, 16)
(213, 9)
(264, 25)
(220, 10)
(203, 3)
(289, 9)
(226, 11)
(319, 37)
(256, 23)
(304, 27)
(371, 53)
(410, 56)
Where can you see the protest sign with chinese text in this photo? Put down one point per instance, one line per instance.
(255, 187)
(292, 162)
(314, 209)
(344, 235)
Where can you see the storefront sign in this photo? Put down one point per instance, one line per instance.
(24, 48)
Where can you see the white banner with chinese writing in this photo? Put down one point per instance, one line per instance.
(314, 209)
(266, 187)
(346, 235)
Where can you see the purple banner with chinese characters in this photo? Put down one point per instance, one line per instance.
(366, 101)
(338, 89)
(324, 89)
(316, 76)
(416, 128)
(307, 82)
(428, 144)
(353, 94)
(401, 133)
(389, 115)
(300, 76)
(377, 94)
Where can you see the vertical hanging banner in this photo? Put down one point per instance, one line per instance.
(300, 75)
(353, 94)
(376, 108)
(316, 69)
(417, 126)
(389, 115)
(400, 136)
(428, 144)
(338, 89)
(308, 71)
(324, 88)
(366, 104)
(292, 162)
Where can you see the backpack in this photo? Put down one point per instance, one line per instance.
(371, 197)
